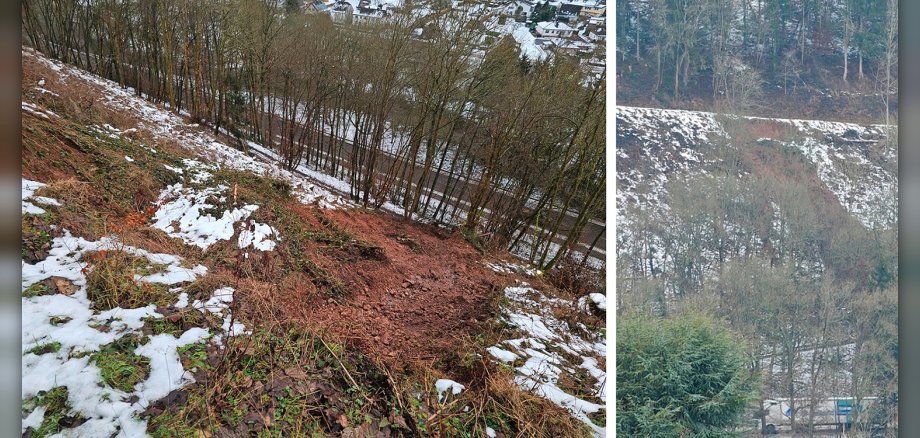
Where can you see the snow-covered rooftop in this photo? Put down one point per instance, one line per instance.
(554, 26)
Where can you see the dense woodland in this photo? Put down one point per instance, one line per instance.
(812, 293)
(809, 58)
(509, 142)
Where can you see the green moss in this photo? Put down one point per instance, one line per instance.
(175, 325)
(194, 356)
(167, 425)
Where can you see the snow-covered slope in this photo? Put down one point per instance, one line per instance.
(549, 347)
(853, 162)
(65, 333)
(168, 127)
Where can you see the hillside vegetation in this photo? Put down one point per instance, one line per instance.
(830, 60)
(786, 230)
(174, 286)
(415, 112)
(757, 183)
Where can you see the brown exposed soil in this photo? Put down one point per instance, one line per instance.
(427, 293)
(415, 296)
(409, 291)
(772, 163)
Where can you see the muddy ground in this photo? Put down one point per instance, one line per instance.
(427, 290)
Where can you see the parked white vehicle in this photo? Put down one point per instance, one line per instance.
(832, 413)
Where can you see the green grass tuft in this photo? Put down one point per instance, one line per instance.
(56, 410)
(119, 366)
(110, 282)
(35, 290)
(51, 347)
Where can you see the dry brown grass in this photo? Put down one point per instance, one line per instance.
(110, 281)
(100, 190)
(492, 400)
(576, 278)
(532, 415)
(155, 240)
(101, 194)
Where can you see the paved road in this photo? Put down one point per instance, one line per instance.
(386, 160)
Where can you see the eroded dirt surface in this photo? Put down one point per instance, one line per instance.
(402, 291)
(428, 291)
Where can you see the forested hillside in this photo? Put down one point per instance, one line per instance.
(833, 60)
(784, 229)
(416, 112)
(254, 218)
(757, 184)
(174, 286)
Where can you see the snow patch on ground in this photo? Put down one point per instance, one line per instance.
(29, 200)
(108, 411)
(502, 354)
(64, 317)
(310, 193)
(166, 372)
(550, 347)
(503, 267)
(600, 300)
(34, 109)
(867, 191)
(219, 305)
(182, 213)
(444, 385)
(257, 235)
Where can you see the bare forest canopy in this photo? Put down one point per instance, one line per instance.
(783, 58)
(775, 210)
(415, 111)
(784, 230)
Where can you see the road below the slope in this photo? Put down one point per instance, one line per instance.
(593, 235)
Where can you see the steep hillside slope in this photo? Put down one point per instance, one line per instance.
(785, 229)
(734, 186)
(854, 163)
(174, 286)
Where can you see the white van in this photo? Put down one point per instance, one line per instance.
(832, 413)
